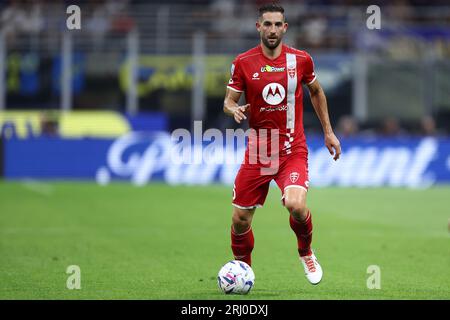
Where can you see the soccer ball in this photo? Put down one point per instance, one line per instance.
(236, 277)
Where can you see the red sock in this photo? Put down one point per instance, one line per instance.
(242, 245)
(303, 231)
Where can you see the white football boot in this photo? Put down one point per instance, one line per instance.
(313, 270)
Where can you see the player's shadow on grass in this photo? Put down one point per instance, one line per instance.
(254, 294)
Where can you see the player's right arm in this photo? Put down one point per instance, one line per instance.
(235, 87)
(231, 106)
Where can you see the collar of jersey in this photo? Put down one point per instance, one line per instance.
(283, 51)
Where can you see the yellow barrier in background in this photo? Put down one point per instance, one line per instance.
(75, 124)
(175, 73)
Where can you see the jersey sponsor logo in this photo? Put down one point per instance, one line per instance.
(268, 68)
(294, 177)
(278, 108)
(232, 69)
(256, 76)
(274, 93)
(291, 72)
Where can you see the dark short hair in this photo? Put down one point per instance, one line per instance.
(270, 7)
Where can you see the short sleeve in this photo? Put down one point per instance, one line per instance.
(236, 82)
(309, 76)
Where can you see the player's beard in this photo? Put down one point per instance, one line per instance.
(270, 45)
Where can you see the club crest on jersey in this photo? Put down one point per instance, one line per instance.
(268, 68)
(291, 72)
(294, 176)
(273, 93)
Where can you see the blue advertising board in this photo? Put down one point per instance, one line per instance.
(141, 158)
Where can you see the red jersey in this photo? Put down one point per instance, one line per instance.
(273, 90)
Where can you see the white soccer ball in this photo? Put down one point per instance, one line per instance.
(236, 277)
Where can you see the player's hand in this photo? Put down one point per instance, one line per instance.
(333, 145)
(239, 113)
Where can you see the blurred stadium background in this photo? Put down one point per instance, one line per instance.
(97, 105)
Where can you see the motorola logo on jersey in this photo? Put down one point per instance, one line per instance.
(273, 93)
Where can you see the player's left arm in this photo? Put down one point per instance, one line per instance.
(319, 102)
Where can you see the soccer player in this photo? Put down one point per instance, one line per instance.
(271, 77)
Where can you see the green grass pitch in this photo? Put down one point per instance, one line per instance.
(168, 242)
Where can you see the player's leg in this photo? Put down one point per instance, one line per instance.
(299, 218)
(293, 181)
(242, 240)
(242, 219)
(249, 192)
(301, 223)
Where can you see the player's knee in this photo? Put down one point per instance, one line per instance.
(295, 207)
(241, 219)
